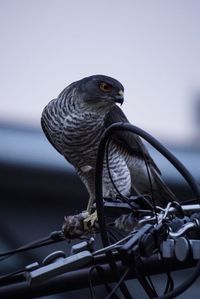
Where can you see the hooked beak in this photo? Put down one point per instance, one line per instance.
(119, 98)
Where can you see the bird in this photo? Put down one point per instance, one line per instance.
(74, 123)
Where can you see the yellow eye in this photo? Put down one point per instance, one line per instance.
(105, 87)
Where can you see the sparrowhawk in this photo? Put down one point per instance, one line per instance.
(74, 123)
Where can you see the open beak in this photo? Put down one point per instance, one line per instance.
(119, 98)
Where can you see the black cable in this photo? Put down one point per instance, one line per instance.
(149, 281)
(188, 201)
(151, 284)
(164, 151)
(183, 286)
(54, 237)
(146, 201)
(24, 248)
(118, 284)
(170, 283)
(148, 288)
(100, 270)
(122, 197)
(101, 220)
(150, 183)
(4, 278)
(99, 198)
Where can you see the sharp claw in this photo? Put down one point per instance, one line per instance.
(76, 225)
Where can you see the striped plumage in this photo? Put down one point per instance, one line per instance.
(74, 123)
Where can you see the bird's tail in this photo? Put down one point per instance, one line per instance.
(146, 180)
(161, 193)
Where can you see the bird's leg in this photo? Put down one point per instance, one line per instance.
(90, 203)
(87, 174)
(89, 221)
(84, 222)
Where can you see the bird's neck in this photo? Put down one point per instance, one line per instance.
(84, 108)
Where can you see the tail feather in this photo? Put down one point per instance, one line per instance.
(149, 181)
(161, 192)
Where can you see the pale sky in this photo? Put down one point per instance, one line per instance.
(152, 47)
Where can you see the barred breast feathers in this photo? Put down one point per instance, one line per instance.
(70, 128)
(53, 118)
(75, 131)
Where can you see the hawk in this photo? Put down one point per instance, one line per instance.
(74, 123)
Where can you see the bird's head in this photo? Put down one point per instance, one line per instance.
(100, 90)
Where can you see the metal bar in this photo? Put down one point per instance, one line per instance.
(79, 279)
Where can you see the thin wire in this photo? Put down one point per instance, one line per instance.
(127, 201)
(149, 280)
(145, 284)
(123, 198)
(112, 246)
(166, 211)
(5, 277)
(151, 284)
(150, 182)
(188, 200)
(171, 158)
(147, 202)
(118, 284)
(107, 287)
(53, 238)
(170, 283)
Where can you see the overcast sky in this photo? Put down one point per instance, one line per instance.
(152, 47)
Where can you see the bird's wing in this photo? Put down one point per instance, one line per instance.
(128, 140)
(48, 131)
(135, 146)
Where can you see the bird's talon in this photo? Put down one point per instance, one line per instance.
(77, 225)
(89, 221)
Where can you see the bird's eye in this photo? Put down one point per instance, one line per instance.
(105, 87)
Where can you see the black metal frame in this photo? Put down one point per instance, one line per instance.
(79, 279)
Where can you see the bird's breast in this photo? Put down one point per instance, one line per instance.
(81, 137)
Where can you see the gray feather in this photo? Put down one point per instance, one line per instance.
(74, 123)
(135, 147)
(128, 140)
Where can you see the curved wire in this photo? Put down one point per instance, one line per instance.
(150, 184)
(100, 271)
(122, 197)
(54, 237)
(118, 284)
(99, 196)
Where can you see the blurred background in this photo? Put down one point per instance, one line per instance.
(152, 47)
